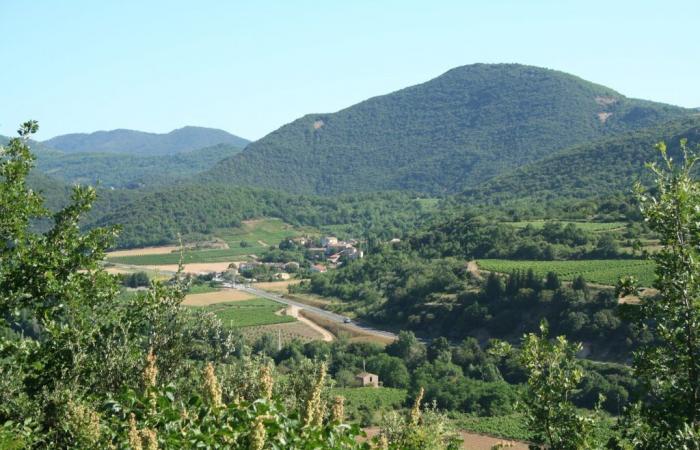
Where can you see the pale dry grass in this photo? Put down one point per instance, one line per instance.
(152, 274)
(144, 251)
(211, 298)
(276, 286)
(194, 267)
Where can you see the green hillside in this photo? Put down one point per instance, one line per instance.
(142, 143)
(153, 217)
(128, 170)
(455, 131)
(589, 170)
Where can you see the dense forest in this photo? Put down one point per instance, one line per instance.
(593, 170)
(130, 171)
(191, 210)
(453, 132)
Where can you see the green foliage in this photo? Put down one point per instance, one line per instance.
(553, 375)
(457, 130)
(194, 210)
(668, 366)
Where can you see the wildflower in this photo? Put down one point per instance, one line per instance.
(314, 413)
(257, 435)
(338, 411)
(134, 436)
(383, 443)
(84, 422)
(151, 371)
(415, 411)
(211, 385)
(266, 382)
(151, 438)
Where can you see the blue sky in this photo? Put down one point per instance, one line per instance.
(250, 67)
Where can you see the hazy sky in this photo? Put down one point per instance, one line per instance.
(250, 67)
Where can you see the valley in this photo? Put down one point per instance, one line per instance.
(421, 247)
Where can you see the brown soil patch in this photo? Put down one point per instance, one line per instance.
(117, 271)
(276, 286)
(211, 298)
(144, 251)
(604, 116)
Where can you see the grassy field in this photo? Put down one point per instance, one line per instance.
(249, 313)
(599, 271)
(259, 235)
(201, 289)
(586, 226)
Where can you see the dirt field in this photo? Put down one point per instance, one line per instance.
(472, 441)
(144, 251)
(279, 287)
(211, 298)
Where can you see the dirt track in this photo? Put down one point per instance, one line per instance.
(294, 312)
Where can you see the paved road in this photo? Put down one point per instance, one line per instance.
(337, 318)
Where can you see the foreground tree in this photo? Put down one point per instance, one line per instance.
(669, 366)
(554, 373)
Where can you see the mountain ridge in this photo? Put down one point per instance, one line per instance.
(128, 141)
(452, 132)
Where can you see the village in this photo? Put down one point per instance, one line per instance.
(294, 256)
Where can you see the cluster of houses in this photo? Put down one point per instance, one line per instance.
(332, 251)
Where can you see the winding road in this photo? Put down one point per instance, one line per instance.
(337, 318)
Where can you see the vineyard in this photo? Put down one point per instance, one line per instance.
(585, 226)
(248, 313)
(599, 271)
(286, 332)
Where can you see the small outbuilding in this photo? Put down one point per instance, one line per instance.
(367, 379)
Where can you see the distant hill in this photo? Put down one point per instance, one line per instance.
(120, 170)
(598, 169)
(453, 132)
(142, 143)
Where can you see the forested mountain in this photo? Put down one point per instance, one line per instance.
(453, 132)
(142, 143)
(590, 170)
(121, 170)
